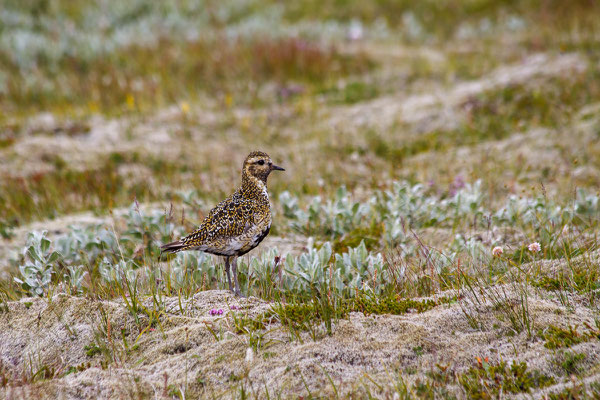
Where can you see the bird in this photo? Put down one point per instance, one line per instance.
(237, 224)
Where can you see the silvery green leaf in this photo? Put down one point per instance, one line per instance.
(53, 257)
(44, 244)
(34, 253)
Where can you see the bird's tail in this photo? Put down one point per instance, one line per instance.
(172, 247)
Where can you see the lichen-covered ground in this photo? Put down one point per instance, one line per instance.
(376, 354)
(416, 137)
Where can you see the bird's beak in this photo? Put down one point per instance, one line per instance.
(276, 168)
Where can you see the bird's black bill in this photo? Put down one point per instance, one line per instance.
(276, 168)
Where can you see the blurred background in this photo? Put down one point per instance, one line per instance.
(104, 102)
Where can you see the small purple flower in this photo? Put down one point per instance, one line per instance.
(214, 311)
(234, 307)
(220, 311)
(456, 185)
(287, 91)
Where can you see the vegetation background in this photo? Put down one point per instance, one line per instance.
(435, 232)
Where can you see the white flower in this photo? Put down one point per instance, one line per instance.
(534, 247)
(355, 32)
(497, 251)
(249, 355)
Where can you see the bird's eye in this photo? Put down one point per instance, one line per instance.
(261, 162)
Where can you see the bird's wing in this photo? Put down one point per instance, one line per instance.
(230, 218)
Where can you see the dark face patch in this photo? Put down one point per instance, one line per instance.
(260, 171)
(258, 165)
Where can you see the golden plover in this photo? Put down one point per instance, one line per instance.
(238, 223)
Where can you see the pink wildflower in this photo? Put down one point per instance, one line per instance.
(497, 251)
(534, 247)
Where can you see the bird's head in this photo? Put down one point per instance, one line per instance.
(259, 165)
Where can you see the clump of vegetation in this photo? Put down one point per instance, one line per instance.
(487, 380)
(390, 304)
(407, 206)
(299, 315)
(569, 362)
(40, 264)
(92, 349)
(557, 337)
(577, 391)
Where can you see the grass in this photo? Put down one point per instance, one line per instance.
(41, 196)
(492, 115)
(570, 362)
(440, 20)
(497, 114)
(99, 188)
(132, 79)
(581, 280)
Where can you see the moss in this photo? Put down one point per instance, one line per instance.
(549, 283)
(486, 380)
(398, 152)
(436, 385)
(369, 234)
(305, 314)
(6, 141)
(557, 337)
(393, 305)
(297, 313)
(77, 368)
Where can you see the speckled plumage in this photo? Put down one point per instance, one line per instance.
(240, 222)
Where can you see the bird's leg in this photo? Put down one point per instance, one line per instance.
(238, 292)
(227, 270)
